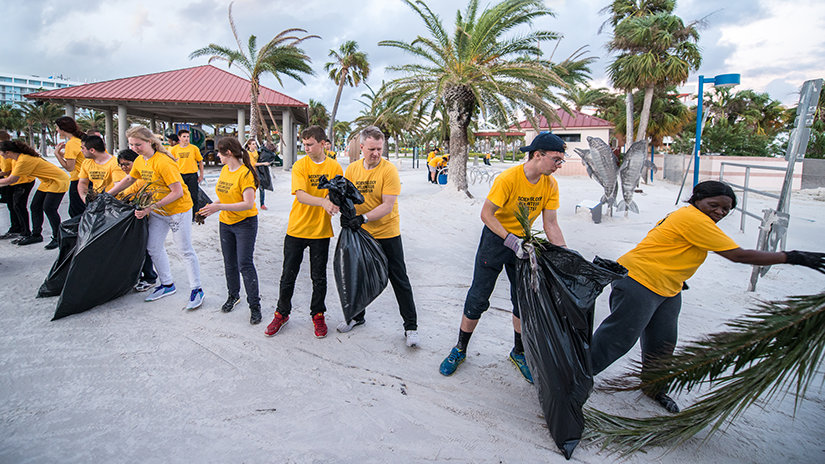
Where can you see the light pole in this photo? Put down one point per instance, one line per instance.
(722, 80)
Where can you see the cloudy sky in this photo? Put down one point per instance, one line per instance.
(775, 44)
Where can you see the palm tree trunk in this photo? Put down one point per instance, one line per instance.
(460, 103)
(644, 118)
(253, 111)
(330, 131)
(628, 108)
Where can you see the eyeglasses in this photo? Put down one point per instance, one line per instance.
(559, 161)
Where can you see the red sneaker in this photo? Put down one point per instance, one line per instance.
(277, 322)
(320, 325)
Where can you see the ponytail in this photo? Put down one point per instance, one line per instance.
(67, 124)
(17, 146)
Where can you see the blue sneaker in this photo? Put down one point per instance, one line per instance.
(195, 299)
(161, 291)
(451, 362)
(520, 362)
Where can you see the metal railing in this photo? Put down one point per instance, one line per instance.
(743, 205)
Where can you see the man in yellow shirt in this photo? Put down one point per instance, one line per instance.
(190, 163)
(99, 168)
(377, 179)
(529, 184)
(309, 226)
(431, 166)
(328, 149)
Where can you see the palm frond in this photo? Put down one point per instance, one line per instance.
(776, 347)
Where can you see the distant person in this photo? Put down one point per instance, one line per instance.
(487, 157)
(100, 169)
(171, 210)
(328, 149)
(310, 227)
(148, 276)
(254, 155)
(433, 164)
(377, 179)
(70, 156)
(238, 224)
(646, 303)
(530, 184)
(16, 195)
(53, 185)
(431, 169)
(190, 163)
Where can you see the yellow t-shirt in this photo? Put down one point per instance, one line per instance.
(187, 158)
(230, 188)
(330, 154)
(307, 221)
(101, 176)
(7, 165)
(72, 151)
(253, 156)
(431, 155)
(674, 249)
(160, 171)
(511, 189)
(434, 161)
(132, 189)
(374, 184)
(52, 178)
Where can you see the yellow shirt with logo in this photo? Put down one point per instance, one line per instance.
(512, 189)
(52, 178)
(307, 221)
(330, 154)
(374, 184)
(101, 176)
(7, 166)
(160, 171)
(253, 156)
(72, 151)
(230, 188)
(188, 158)
(674, 249)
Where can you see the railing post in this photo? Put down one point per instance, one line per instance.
(722, 172)
(745, 198)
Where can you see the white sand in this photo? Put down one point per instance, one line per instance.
(148, 382)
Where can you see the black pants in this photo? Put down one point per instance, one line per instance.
(17, 197)
(263, 195)
(46, 202)
(293, 255)
(238, 246)
(400, 282)
(76, 204)
(191, 181)
(490, 257)
(147, 272)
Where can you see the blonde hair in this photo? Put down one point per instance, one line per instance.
(143, 133)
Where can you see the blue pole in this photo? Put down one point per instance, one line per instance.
(652, 163)
(698, 133)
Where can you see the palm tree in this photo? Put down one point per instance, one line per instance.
(349, 67)
(92, 121)
(581, 97)
(478, 70)
(40, 117)
(279, 56)
(318, 114)
(341, 130)
(11, 118)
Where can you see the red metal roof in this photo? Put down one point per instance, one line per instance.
(498, 134)
(577, 120)
(201, 84)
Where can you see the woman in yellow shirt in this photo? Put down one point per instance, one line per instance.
(17, 197)
(53, 184)
(238, 224)
(171, 210)
(70, 156)
(126, 159)
(252, 147)
(646, 303)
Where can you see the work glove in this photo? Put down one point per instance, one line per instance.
(811, 259)
(354, 222)
(514, 243)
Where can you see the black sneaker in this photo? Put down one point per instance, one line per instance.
(666, 402)
(255, 317)
(231, 301)
(9, 235)
(29, 240)
(52, 245)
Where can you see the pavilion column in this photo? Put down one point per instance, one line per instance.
(288, 139)
(122, 125)
(241, 123)
(69, 110)
(110, 137)
(153, 125)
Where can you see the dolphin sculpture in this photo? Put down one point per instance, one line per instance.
(631, 172)
(601, 165)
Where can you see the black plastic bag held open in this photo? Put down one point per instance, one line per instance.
(53, 284)
(557, 301)
(359, 265)
(111, 246)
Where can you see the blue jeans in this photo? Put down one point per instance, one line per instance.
(238, 246)
(491, 256)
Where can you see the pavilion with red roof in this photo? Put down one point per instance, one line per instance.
(573, 128)
(202, 94)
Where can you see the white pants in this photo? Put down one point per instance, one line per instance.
(181, 226)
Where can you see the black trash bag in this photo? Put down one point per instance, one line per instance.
(203, 199)
(264, 178)
(266, 155)
(53, 284)
(557, 323)
(111, 246)
(360, 265)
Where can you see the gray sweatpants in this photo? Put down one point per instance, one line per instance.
(636, 312)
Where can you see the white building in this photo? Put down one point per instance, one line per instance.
(14, 86)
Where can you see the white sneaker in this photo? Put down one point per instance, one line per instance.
(343, 327)
(195, 299)
(143, 285)
(412, 338)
